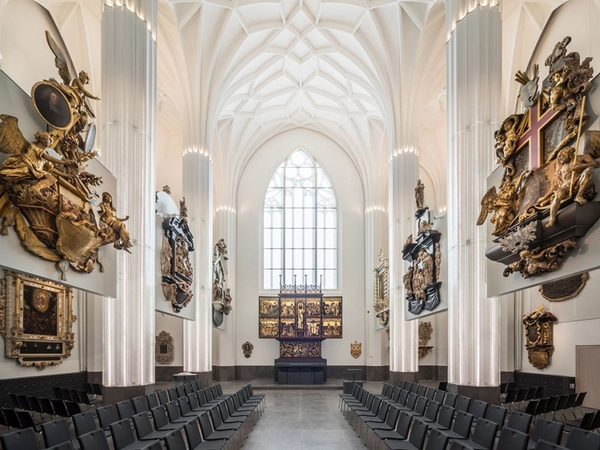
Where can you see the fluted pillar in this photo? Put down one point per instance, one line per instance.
(376, 338)
(473, 85)
(404, 174)
(224, 337)
(128, 150)
(197, 334)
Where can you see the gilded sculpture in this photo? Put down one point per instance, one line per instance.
(539, 336)
(164, 350)
(381, 305)
(46, 193)
(221, 295)
(547, 186)
(425, 331)
(176, 268)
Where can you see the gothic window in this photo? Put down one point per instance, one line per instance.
(300, 225)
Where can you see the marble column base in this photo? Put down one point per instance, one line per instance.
(205, 378)
(396, 377)
(223, 373)
(490, 394)
(115, 394)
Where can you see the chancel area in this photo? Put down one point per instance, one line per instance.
(359, 214)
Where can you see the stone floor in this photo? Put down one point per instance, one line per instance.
(301, 418)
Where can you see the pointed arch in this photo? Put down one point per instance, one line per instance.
(300, 225)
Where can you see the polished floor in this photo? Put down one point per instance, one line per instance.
(302, 419)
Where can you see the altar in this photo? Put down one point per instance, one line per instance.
(300, 370)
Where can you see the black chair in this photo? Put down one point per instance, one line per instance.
(512, 440)
(583, 440)
(422, 390)
(586, 422)
(437, 441)
(173, 395)
(11, 418)
(161, 420)
(547, 430)
(175, 414)
(519, 421)
(431, 413)
(430, 393)
(86, 400)
(59, 406)
(483, 436)
(107, 416)
(561, 405)
(578, 402)
(462, 426)
(420, 406)
(163, 397)
(152, 400)
(478, 410)
(438, 396)
(57, 432)
(96, 440)
(19, 440)
(389, 424)
(511, 395)
(123, 438)
(496, 414)
(450, 399)
(444, 421)
(401, 431)
(26, 420)
(415, 441)
(47, 407)
(125, 409)
(141, 405)
(209, 433)
(144, 430)
(85, 423)
(174, 441)
(195, 441)
(443, 385)
(463, 403)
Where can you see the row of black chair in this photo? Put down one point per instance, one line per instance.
(389, 416)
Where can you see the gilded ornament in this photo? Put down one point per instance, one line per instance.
(382, 301)
(355, 349)
(164, 350)
(539, 336)
(247, 348)
(48, 199)
(425, 331)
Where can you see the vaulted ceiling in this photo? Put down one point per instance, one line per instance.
(368, 74)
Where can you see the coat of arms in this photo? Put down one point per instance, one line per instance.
(539, 337)
(46, 193)
(355, 349)
(543, 204)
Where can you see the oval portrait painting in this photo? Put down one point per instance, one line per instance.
(52, 105)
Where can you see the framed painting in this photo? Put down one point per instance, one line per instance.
(332, 328)
(313, 307)
(268, 306)
(288, 308)
(287, 328)
(332, 307)
(268, 328)
(37, 320)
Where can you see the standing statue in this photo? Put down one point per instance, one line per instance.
(420, 195)
(117, 231)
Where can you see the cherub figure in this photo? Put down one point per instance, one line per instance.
(108, 216)
(570, 178)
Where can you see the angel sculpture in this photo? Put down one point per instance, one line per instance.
(503, 205)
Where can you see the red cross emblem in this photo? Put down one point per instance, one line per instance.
(533, 135)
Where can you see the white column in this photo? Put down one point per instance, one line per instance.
(224, 337)
(128, 145)
(197, 190)
(473, 85)
(376, 339)
(403, 175)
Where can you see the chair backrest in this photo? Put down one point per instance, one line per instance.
(56, 432)
(582, 439)
(163, 397)
(192, 433)
(173, 410)
(392, 416)
(57, 392)
(587, 421)
(532, 407)
(60, 409)
(205, 425)
(140, 404)
(478, 409)
(496, 414)
(97, 388)
(540, 392)
(545, 445)
(107, 415)
(511, 395)
(383, 410)
(125, 409)
(571, 400)
(437, 440)
(547, 430)
(122, 434)
(462, 404)
(530, 394)
(46, 405)
(84, 423)
(404, 424)
(430, 393)
(450, 399)
(433, 408)
(596, 422)
(96, 440)
(418, 433)
(386, 389)
(142, 424)
(562, 402)
(541, 406)
(462, 423)
(414, 388)
(188, 388)
(159, 414)
(580, 398)
(521, 393)
(11, 418)
(519, 421)
(25, 419)
(193, 400)
(512, 440)
(152, 400)
(184, 405)
(180, 391)
(197, 384)
(485, 433)
(19, 440)
(87, 387)
(215, 415)
(402, 384)
(552, 403)
(421, 390)
(443, 385)
(421, 405)
(402, 397)
(446, 416)
(411, 400)
(173, 395)
(174, 441)
(439, 396)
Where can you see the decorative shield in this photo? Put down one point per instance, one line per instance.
(355, 349)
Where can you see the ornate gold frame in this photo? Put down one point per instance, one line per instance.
(37, 320)
(382, 289)
(164, 341)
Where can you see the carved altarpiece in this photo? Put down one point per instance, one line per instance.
(381, 306)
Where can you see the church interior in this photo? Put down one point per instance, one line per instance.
(339, 205)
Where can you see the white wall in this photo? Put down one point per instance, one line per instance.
(351, 277)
